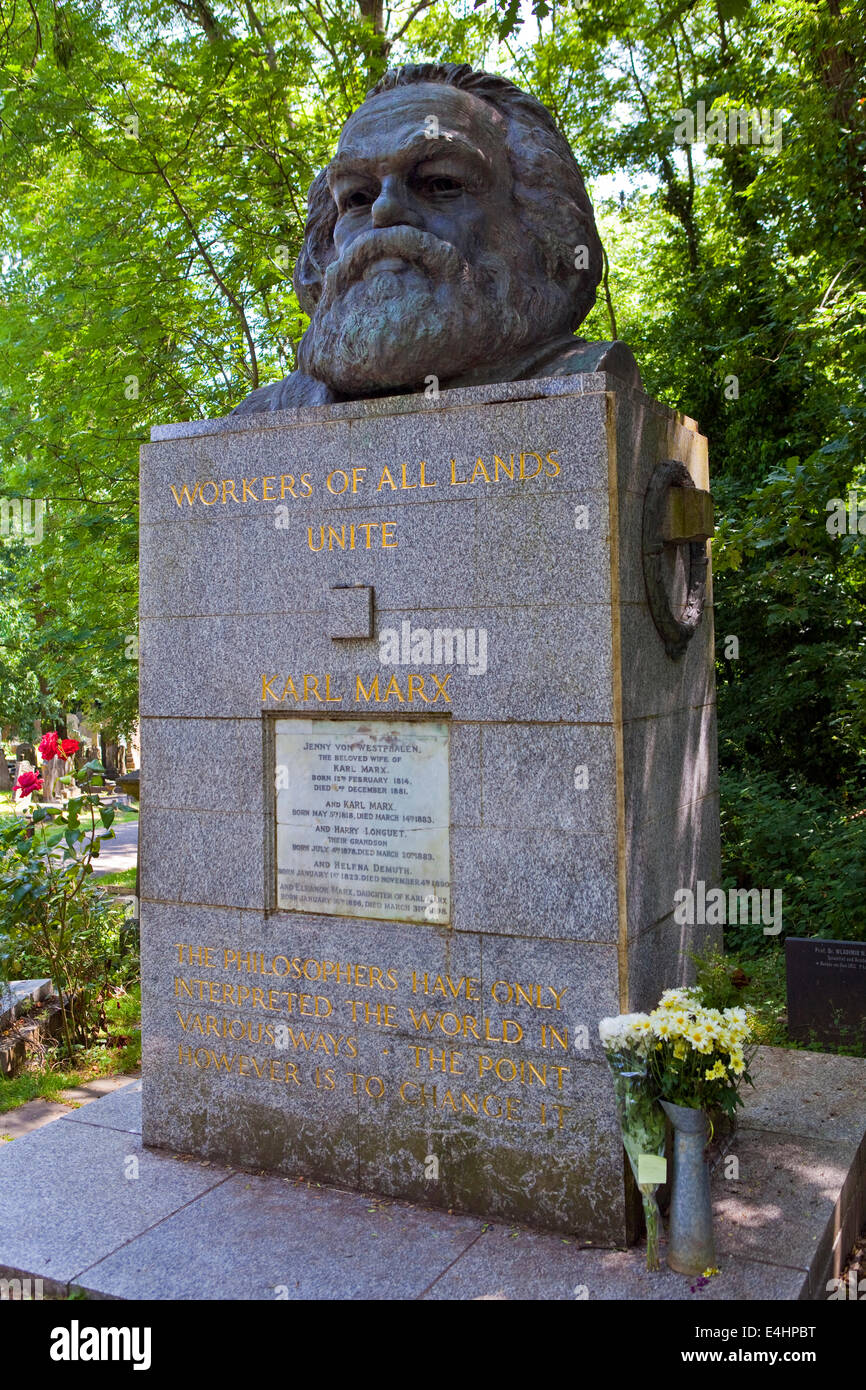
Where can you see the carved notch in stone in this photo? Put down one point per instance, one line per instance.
(350, 611)
(676, 515)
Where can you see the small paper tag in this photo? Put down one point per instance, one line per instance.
(651, 1168)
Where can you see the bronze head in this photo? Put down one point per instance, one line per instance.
(451, 238)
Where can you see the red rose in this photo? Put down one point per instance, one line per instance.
(70, 746)
(28, 782)
(48, 746)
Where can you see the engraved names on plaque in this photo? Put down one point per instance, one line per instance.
(362, 818)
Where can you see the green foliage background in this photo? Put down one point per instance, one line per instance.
(155, 161)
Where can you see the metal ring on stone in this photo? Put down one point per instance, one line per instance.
(675, 630)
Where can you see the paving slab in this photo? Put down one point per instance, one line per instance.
(119, 1110)
(99, 1087)
(289, 1240)
(780, 1206)
(69, 1195)
(814, 1094)
(33, 1114)
(72, 1213)
(15, 995)
(515, 1263)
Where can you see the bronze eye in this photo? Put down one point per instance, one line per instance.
(442, 186)
(358, 198)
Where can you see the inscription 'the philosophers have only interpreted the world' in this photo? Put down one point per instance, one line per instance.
(498, 1051)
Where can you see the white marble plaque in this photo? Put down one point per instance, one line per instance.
(363, 812)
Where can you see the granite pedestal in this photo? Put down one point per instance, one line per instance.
(351, 970)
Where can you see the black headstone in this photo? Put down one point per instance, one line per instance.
(826, 990)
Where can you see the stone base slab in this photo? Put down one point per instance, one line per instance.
(84, 1206)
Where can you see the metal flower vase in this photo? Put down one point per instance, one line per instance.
(690, 1232)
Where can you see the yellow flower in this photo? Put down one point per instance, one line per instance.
(738, 1062)
(716, 1072)
(700, 1038)
(709, 1272)
(679, 1049)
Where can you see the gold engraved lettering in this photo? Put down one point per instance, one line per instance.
(440, 688)
(386, 477)
(371, 694)
(185, 493)
(413, 679)
(530, 455)
(479, 466)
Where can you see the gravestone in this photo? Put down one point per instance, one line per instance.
(826, 987)
(427, 704)
(436, 852)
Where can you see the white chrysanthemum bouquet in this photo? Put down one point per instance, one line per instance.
(627, 1041)
(682, 1052)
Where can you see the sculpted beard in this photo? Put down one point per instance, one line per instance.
(439, 317)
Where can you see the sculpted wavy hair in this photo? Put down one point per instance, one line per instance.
(548, 188)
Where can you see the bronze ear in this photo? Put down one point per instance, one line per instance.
(317, 251)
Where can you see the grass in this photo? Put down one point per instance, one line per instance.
(46, 1084)
(119, 1052)
(123, 878)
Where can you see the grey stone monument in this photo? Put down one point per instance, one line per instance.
(428, 719)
